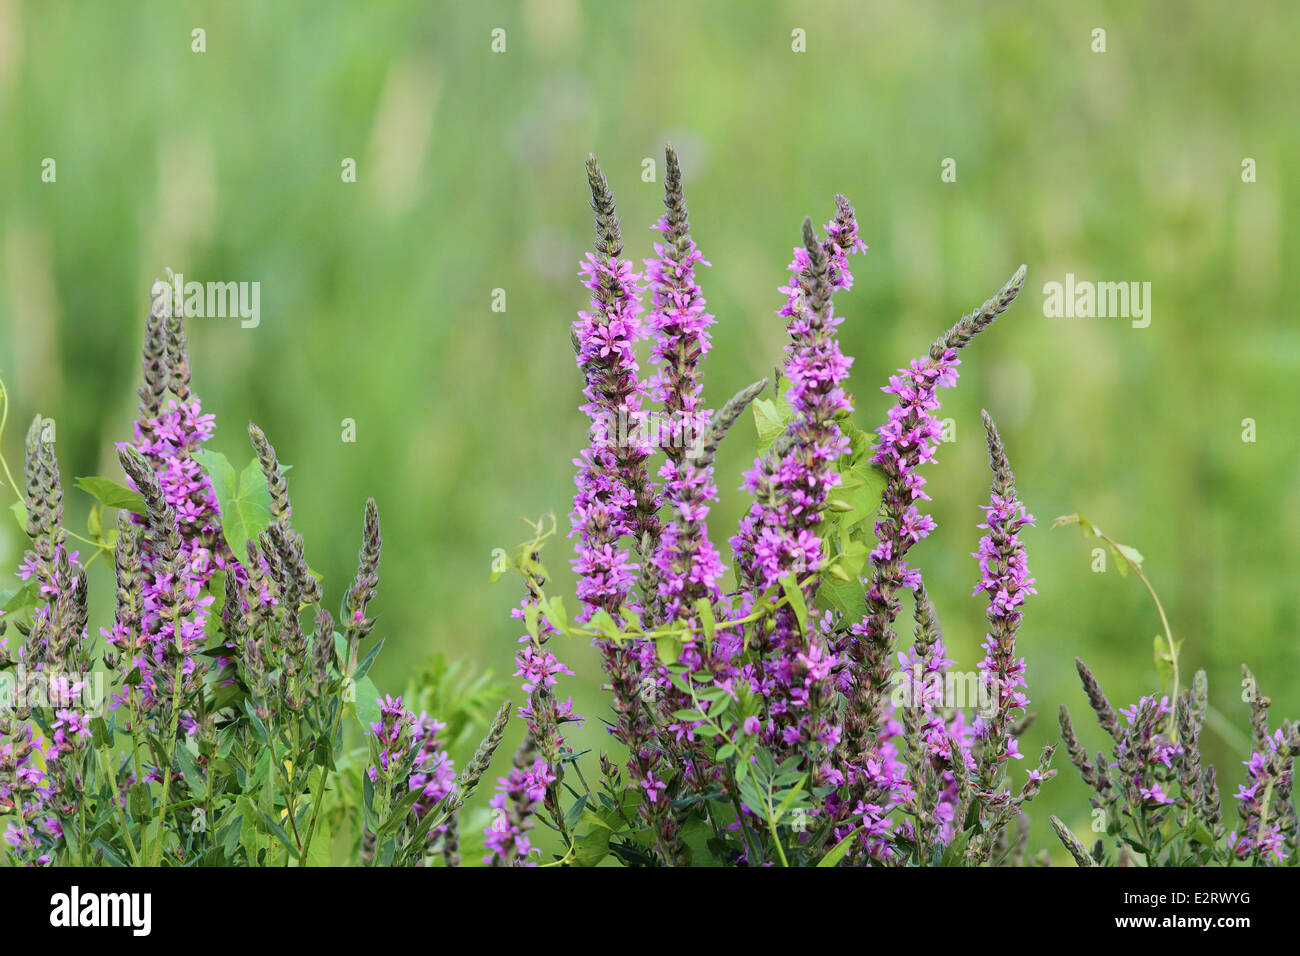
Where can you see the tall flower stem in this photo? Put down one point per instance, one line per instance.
(177, 693)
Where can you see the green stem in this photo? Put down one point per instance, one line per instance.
(776, 839)
(106, 764)
(1164, 621)
(156, 853)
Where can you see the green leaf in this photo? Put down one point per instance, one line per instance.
(24, 596)
(1131, 556)
(955, 854)
(574, 814)
(110, 855)
(704, 609)
(138, 801)
(557, 614)
(1200, 833)
(20, 512)
(250, 834)
(669, 648)
(604, 625)
(318, 854)
(857, 499)
(277, 831)
(770, 419)
(112, 495)
(1076, 518)
(364, 665)
(838, 851)
(258, 727)
(1164, 659)
(245, 500)
(794, 594)
(788, 801)
(367, 703)
(591, 847)
(190, 770)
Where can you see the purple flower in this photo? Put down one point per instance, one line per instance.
(514, 803)
(790, 485)
(615, 497)
(1269, 770)
(907, 441)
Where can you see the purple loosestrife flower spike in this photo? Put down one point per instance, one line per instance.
(1004, 577)
(153, 384)
(790, 484)
(322, 651)
(614, 496)
(686, 566)
(126, 637)
(478, 764)
(1097, 699)
(925, 666)
(178, 359)
(167, 438)
(44, 492)
(518, 795)
(1268, 826)
(177, 571)
(363, 587)
(906, 441)
(162, 535)
(540, 670)
(1071, 842)
(281, 510)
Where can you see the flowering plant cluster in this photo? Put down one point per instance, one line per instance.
(765, 707)
(225, 717)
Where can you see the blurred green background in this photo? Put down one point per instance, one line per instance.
(376, 295)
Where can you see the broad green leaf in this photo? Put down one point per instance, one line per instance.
(770, 419)
(244, 499)
(23, 596)
(668, 648)
(367, 703)
(1200, 833)
(557, 614)
(591, 847)
(112, 495)
(605, 625)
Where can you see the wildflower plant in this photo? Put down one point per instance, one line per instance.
(763, 711)
(225, 717)
(765, 705)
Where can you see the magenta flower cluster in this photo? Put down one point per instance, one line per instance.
(514, 806)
